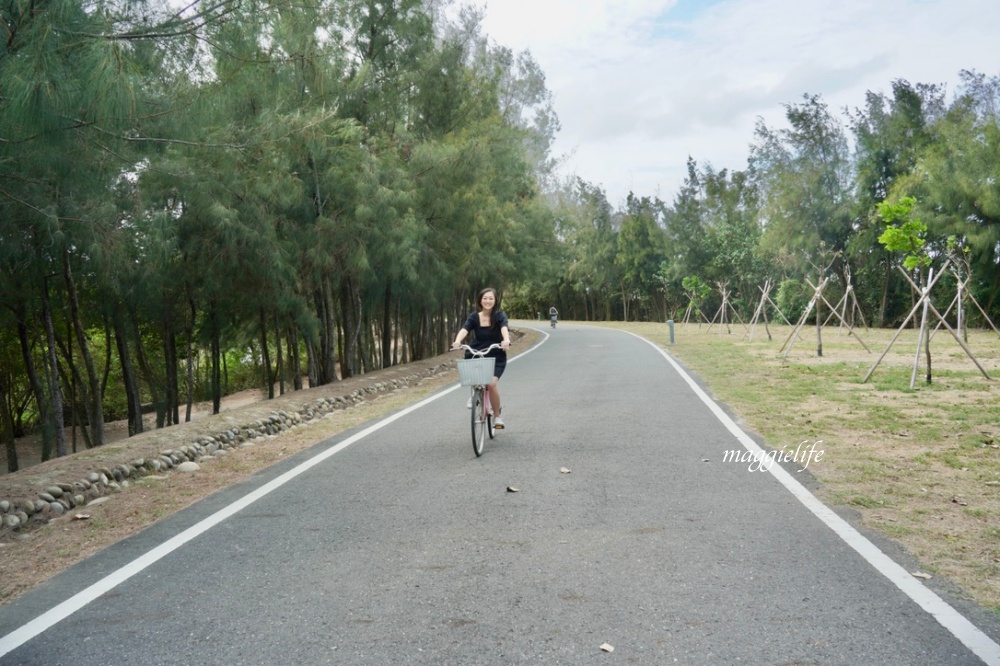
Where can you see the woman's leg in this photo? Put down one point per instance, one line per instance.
(495, 397)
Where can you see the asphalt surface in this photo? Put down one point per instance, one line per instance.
(404, 548)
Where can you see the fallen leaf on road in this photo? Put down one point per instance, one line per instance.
(608, 648)
(565, 470)
(512, 489)
(921, 574)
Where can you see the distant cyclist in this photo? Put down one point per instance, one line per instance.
(553, 315)
(489, 324)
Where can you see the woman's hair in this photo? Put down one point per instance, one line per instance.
(496, 302)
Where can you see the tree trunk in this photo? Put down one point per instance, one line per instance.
(170, 399)
(441, 342)
(326, 357)
(189, 334)
(7, 427)
(350, 307)
(107, 357)
(387, 327)
(95, 405)
(225, 369)
(884, 302)
(927, 350)
(216, 364)
(295, 363)
(55, 389)
(265, 356)
(48, 429)
(279, 357)
(819, 331)
(73, 381)
(312, 364)
(147, 370)
(128, 377)
(396, 338)
(173, 372)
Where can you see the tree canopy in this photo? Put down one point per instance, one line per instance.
(202, 198)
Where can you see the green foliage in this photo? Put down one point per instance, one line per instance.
(694, 286)
(242, 179)
(803, 176)
(905, 234)
(792, 298)
(237, 182)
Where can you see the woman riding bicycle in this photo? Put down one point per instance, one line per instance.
(489, 324)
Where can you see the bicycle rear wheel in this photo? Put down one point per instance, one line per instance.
(479, 424)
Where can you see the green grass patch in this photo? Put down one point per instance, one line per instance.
(866, 502)
(886, 445)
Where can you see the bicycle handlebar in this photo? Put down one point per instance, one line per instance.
(479, 353)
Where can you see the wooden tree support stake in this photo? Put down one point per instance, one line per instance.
(816, 298)
(761, 311)
(727, 307)
(925, 297)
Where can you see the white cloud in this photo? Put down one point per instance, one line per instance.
(637, 91)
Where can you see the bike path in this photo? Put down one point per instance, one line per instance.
(402, 547)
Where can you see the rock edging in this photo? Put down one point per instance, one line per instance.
(58, 498)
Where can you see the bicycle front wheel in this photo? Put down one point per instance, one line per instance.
(479, 424)
(488, 412)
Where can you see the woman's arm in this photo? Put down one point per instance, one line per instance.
(458, 338)
(505, 343)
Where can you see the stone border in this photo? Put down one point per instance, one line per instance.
(58, 498)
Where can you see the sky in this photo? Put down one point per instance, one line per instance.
(640, 85)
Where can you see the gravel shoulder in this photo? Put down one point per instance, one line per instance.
(29, 557)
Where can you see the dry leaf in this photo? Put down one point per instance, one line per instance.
(564, 470)
(608, 648)
(512, 489)
(959, 501)
(921, 574)
(81, 516)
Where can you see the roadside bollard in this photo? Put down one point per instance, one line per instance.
(670, 324)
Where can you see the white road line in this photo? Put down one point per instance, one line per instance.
(26, 632)
(971, 636)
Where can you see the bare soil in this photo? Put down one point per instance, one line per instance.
(921, 466)
(32, 556)
(906, 461)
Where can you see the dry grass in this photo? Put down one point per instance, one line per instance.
(33, 557)
(921, 466)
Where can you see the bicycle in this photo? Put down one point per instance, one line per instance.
(477, 372)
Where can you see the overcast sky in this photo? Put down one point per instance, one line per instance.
(641, 84)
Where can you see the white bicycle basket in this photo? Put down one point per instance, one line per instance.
(476, 371)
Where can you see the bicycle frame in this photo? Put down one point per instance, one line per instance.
(482, 411)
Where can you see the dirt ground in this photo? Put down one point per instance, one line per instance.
(905, 460)
(920, 466)
(29, 451)
(32, 556)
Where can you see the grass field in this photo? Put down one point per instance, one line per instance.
(920, 465)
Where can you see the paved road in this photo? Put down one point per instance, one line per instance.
(403, 548)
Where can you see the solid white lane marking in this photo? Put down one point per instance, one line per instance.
(969, 634)
(60, 612)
